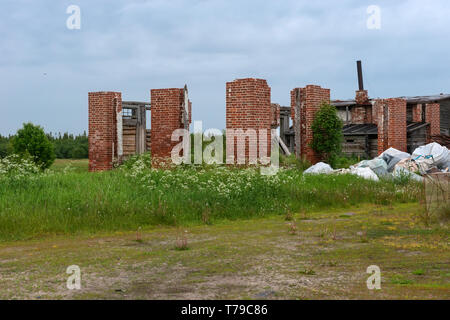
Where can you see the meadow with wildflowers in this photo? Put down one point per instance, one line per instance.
(35, 203)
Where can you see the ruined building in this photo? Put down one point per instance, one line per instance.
(118, 129)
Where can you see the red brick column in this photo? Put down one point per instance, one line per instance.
(275, 115)
(311, 97)
(358, 114)
(362, 112)
(433, 117)
(166, 117)
(362, 97)
(391, 124)
(417, 113)
(103, 110)
(380, 107)
(248, 106)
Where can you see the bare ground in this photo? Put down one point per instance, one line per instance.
(325, 256)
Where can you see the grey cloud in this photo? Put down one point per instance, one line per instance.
(133, 46)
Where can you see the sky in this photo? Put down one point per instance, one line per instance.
(47, 69)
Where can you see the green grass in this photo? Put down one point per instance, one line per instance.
(419, 272)
(71, 201)
(70, 165)
(401, 280)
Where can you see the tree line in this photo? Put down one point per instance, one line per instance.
(65, 146)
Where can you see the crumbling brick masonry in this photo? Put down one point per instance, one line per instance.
(311, 97)
(248, 107)
(167, 108)
(391, 119)
(104, 110)
(433, 117)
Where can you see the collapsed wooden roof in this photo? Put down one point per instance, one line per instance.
(372, 129)
(409, 100)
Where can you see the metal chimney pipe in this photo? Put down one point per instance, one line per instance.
(360, 75)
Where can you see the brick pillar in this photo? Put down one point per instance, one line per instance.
(311, 98)
(362, 97)
(417, 113)
(166, 117)
(391, 124)
(362, 112)
(358, 114)
(433, 117)
(105, 108)
(275, 115)
(248, 106)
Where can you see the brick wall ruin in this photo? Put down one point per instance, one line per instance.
(391, 120)
(167, 107)
(433, 117)
(417, 113)
(114, 135)
(105, 109)
(386, 123)
(311, 97)
(248, 107)
(362, 112)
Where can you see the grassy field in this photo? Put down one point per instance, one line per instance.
(221, 233)
(69, 201)
(61, 165)
(324, 257)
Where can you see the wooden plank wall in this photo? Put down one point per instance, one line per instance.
(147, 140)
(354, 145)
(373, 147)
(445, 117)
(416, 139)
(361, 146)
(129, 140)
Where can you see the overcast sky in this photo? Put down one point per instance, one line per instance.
(47, 69)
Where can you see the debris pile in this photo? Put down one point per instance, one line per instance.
(427, 159)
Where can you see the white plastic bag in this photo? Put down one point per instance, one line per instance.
(319, 168)
(432, 154)
(392, 156)
(378, 165)
(365, 173)
(400, 171)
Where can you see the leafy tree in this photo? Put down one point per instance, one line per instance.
(79, 152)
(5, 146)
(327, 132)
(31, 140)
(68, 146)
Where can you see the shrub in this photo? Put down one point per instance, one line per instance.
(339, 162)
(327, 132)
(79, 152)
(16, 167)
(5, 147)
(68, 146)
(31, 140)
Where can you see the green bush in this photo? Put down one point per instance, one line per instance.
(327, 132)
(68, 146)
(31, 140)
(5, 147)
(339, 162)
